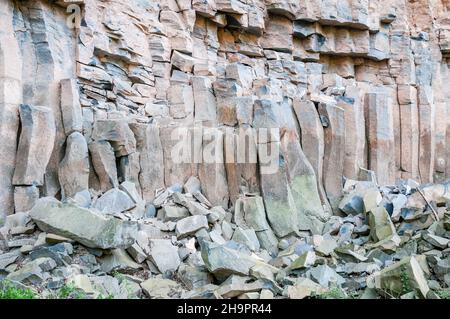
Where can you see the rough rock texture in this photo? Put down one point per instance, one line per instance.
(339, 75)
(250, 121)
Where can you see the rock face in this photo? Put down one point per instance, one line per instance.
(85, 226)
(339, 76)
(271, 125)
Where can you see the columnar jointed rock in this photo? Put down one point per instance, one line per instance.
(278, 199)
(70, 107)
(251, 211)
(380, 135)
(151, 162)
(36, 142)
(212, 169)
(10, 99)
(312, 140)
(25, 197)
(74, 168)
(334, 137)
(302, 180)
(104, 162)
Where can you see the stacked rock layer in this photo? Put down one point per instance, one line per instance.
(97, 93)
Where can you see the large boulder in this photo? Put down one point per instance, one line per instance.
(87, 227)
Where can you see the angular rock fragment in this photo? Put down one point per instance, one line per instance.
(381, 226)
(104, 162)
(82, 225)
(251, 210)
(34, 272)
(400, 278)
(164, 255)
(118, 260)
(118, 133)
(114, 201)
(190, 225)
(224, 260)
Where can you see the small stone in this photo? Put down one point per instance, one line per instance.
(192, 185)
(246, 237)
(304, 261)
(399, 278)
(118, 260)
(381, 226)
(326, 276)
(326, 246)
(164, 255)
(223, 260)
(436, 241)
(190, 225)
(7, 259)
(114, 201)
(238, 285)
(174, 213)
(227, 230)
(303, 288)
(158, 288)
(55, 239)
(34, 272)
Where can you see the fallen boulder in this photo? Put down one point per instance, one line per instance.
(83, 225)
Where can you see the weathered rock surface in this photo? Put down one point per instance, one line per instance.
(271, 144)
(74, 169)
(35, 144)
(82, 225)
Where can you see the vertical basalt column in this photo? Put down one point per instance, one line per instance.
(10, 99)
(380, 135)
(212, 172)
(50, 56)
(312, 140)
(241, 162)
(333, 119)
(440, 122)
(151, 159)
(409, 128)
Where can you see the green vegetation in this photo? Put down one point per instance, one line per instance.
(404, 278)
(333, 293)
(69, 291)
(444, 293)
(9, 291)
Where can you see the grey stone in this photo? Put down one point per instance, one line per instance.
(36, 144)
(326, 276)
(189, 225)
(118, 260)
(114, 201)
(25, 197)
(73, 171)
(33, 272)
(82, 225)
(246, 237)
(164, 255)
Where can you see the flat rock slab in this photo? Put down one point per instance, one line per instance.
(89, 228)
